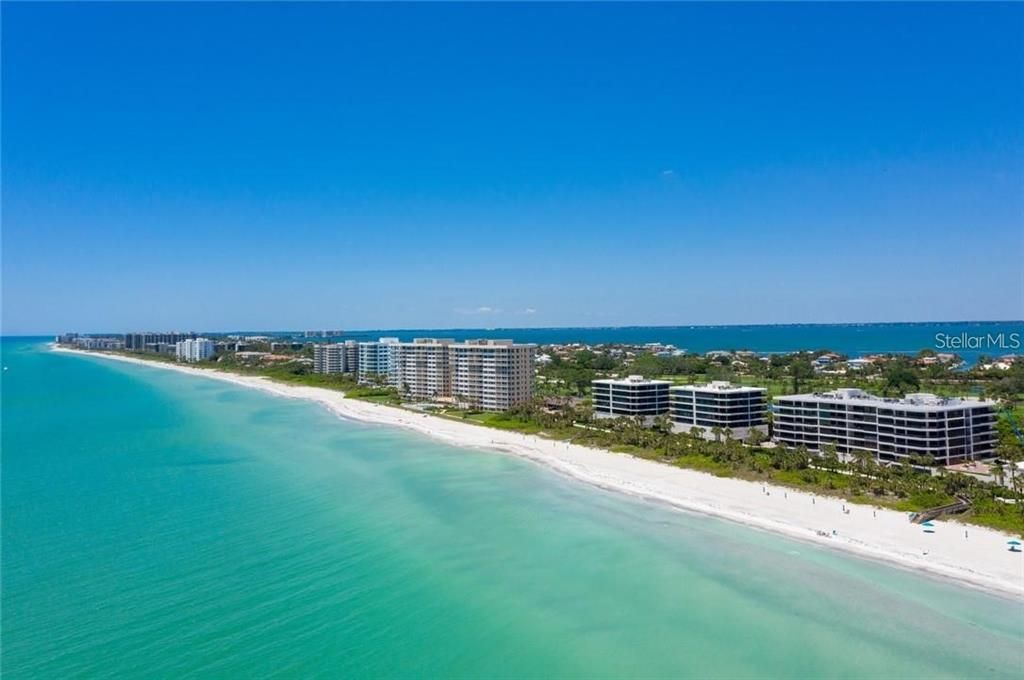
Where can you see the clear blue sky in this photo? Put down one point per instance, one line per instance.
(289, 166)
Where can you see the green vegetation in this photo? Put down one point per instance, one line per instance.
(905, 488)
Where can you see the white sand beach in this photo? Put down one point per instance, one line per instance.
(971, 555)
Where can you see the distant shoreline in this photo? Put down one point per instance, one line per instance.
(980, 561)
(702, 326)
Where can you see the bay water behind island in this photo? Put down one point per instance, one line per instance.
(968, 339)
(160, 524)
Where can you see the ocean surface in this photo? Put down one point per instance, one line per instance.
(992, 338)
(163, 525)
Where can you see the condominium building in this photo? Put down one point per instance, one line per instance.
(150, 342)
(949, 430)
(422, 368)
(191, 350)
(352, 357)
(379, 360)
(719, 404)
(87, 342)
(630, 396)
(330, 358)
(492, 375)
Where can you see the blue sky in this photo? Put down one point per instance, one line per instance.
(289, 166)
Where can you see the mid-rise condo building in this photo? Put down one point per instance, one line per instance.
(378, 361)
(630, 396)
(949, 430)
(492, 375)
(422, 368)
(191, 350)
(719, 406)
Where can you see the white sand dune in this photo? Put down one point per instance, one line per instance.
(971, 555)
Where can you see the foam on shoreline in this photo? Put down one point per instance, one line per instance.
(971, 555)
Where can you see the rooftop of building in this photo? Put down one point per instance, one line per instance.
(493, 342)
(921, 400)
(721, 387)
(430, 341)
(631, 380)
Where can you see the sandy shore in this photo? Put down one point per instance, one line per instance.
(970, 555)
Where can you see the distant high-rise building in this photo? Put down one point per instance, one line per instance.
(192, 350)
(147, 342)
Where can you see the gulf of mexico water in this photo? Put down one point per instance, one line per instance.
(156, 524)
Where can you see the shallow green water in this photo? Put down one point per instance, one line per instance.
(162, 525)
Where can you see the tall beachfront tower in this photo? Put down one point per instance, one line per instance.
(423, 369)
(329, 358)
(949, 430)
(379, 360)
(491, 375)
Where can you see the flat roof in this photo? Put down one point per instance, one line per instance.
(918, 400)
(631, 380)
(720, 387)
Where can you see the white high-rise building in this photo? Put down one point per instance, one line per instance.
(192, 350)
(379, 358)
(422, 368)
(492, 375)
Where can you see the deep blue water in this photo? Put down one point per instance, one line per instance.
(996, 337)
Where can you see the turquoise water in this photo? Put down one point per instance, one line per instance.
(163, 525)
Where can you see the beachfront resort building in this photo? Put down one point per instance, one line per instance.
(948, 430)
(719, 406)
(192, 350)
(378, 361)
(631, 396)
(422, 368)
(491, 375)
(338, 357)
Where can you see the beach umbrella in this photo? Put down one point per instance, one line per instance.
(927, 524)
(1015, 542)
